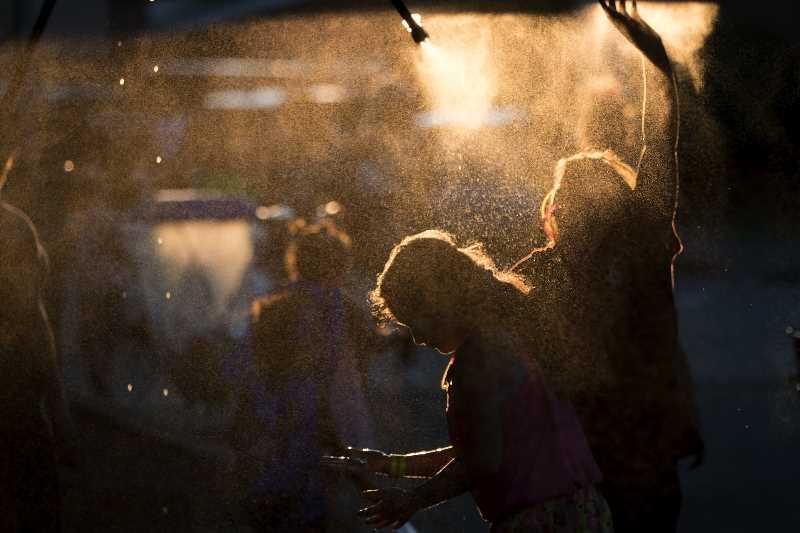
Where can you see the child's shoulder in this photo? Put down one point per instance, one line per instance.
(270, 301)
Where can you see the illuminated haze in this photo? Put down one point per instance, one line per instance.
(462, 133)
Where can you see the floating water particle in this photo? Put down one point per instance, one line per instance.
(130, 387)
(124, 294)
(158, 160)
(155, 68)
(160, 241)
(789, 330)
(122, 81)
(119, 44)
(168, 295)
(69, 165)
(262, 212)
(747, 426)
(333, 208)
(165, 392)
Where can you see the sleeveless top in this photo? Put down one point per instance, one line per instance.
(545, 454)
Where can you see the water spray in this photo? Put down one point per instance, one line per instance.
(412, 24)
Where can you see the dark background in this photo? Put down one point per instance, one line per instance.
(737, 281)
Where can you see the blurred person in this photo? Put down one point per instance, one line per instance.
(606, 282)
(304, 390)
(35, 426)
(515, 446)
(101, 278)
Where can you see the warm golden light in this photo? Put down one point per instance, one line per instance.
(223, 250)
(69, 165)
(684, 28)
(458, 72)
(333, 208)
(122, 81)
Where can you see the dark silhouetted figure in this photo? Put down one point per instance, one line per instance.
(605, 298)
(35, 427)
(518, 449)
(306, 394)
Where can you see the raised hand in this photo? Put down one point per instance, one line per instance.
(390, 507)
(637, 32)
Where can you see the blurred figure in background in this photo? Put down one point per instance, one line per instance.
(101, 278)
(305, 394)
(35, 425)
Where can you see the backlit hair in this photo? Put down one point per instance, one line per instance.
(549, 206)
(428, 272)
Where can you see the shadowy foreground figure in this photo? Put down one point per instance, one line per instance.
(604, 298)
(518, 449)
(35, 427)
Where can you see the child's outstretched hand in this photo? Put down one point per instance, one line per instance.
(389, 507)
(638, 32)
(357, 461)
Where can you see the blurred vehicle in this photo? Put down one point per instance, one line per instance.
(158, 296)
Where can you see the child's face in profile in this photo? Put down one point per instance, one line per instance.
(438, 333)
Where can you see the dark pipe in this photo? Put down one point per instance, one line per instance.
(418, 33)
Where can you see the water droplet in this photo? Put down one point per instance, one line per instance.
(155, 68)
(158, 159)
(747, 426)
(119, 44)
(333, 208)
(122, 81)
(262, 212)
(160, 241)
(69, 165)
(130, 387)
(168, 295)
(165, 392)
